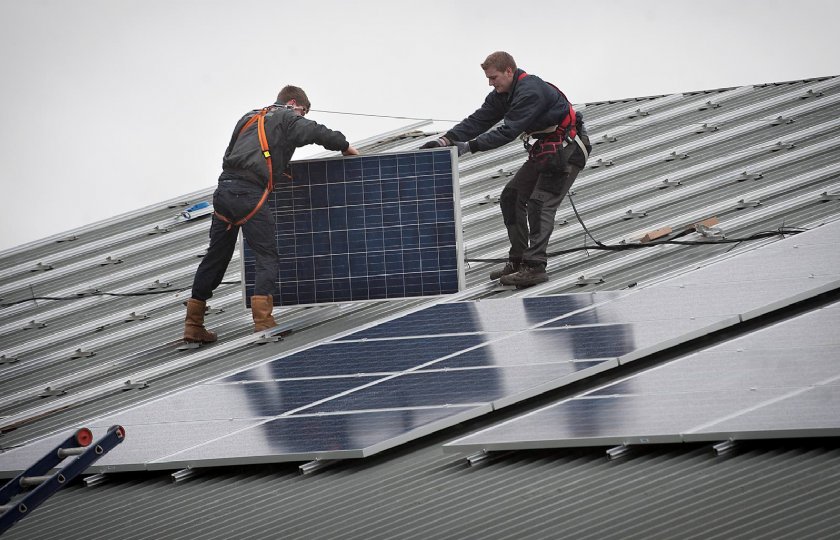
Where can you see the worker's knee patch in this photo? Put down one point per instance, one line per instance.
(508, 203)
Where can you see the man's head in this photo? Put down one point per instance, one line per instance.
(295, 98)
(499, 68)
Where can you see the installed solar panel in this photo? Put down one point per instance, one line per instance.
(366, 228)
(760, 386)
(498, 352)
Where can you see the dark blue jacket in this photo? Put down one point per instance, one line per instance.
(531, 105)
(285, 132)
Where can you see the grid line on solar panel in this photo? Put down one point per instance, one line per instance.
(367, 227)
(507, 314)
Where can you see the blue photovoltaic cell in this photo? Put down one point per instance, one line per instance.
(464, 317)
(451, 387)
(365, 228)
(340, 358)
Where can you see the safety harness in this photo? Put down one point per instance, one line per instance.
(259, 118)
(543, 151)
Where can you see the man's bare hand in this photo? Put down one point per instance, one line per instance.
(350, 151)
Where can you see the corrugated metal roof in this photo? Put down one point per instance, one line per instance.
(673, 159)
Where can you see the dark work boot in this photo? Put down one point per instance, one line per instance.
(510, 268)
(261, 308)
(194, 331)
(528, 276)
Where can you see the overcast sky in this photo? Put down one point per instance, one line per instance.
(107, 106)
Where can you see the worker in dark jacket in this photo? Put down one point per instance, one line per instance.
(262, 140)
(530, 107)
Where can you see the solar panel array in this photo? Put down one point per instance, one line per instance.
(763, 385)
(389, 383)
(370, 227)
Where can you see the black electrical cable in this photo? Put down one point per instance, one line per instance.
(781, 231)
(101, 293)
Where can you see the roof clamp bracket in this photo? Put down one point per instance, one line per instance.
(811, 94)
(781, 145)
(826, 196)
(594, 280)
(138, 385)
(606, 138)
(35, 325)
(724, 447)
(184, 474)
(669, 183)
(618, 451)
(158, 284)
(67, 239)
(749, 176)
(158, 230)
(488, 200)
(709, 105)
(675, 155)
(779, 120)
(135, 317)
(52, 392)
(638, 113)
(630, 214)
(479, 457)
(7, 360)
(709, 231)
(110, 260)
(269, 339)
(41, 267)
(707, 128)
(743, 204)
(95, 480)
(601, 163)
(317, 465)
(82, 354)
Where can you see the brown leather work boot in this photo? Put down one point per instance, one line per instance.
(261, 308)
(194, 331)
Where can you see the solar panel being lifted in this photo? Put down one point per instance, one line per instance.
(366, 228)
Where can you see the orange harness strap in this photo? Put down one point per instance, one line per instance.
(260, 119)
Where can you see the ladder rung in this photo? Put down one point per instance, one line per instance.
(64, 452)
(30, 481)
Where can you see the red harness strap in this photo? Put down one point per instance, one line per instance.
(570, 120)
(260, 119)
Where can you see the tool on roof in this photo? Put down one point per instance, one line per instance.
(45, 484)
